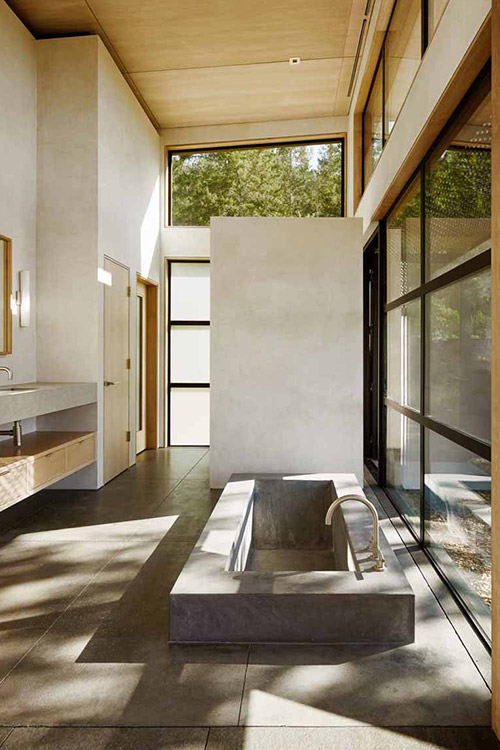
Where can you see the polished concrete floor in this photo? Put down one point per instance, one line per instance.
(85, 662)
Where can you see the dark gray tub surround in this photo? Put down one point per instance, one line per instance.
(264, 571)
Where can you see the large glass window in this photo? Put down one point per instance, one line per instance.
(403, 465)
(438, 354)
(403, 244)
(458, 521)
(281, 180)
(403, 354)
(458, 192)
(373, 125)
(398, 64)
(189, 353)
(459, 355)
(403, 51)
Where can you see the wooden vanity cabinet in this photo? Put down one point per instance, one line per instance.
(43, 458)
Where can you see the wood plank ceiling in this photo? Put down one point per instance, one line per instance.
(210, 62)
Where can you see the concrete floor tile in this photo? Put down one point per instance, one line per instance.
(341, 686)
(4, 733)
(15, 642)
(107, 739)
(201, 470)
(84, 599)
(353, 738)
(62, 683)
(172, 464)
(42, 577)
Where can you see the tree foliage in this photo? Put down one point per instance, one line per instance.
(273, 181)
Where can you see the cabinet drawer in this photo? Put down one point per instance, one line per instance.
(13, 484)
(80, 453)
(48, 467)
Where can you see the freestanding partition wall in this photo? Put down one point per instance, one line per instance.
(286, 346)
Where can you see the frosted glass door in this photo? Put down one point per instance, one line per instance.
(189, 352)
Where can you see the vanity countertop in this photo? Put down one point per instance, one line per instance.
(12, 460)
(25, 400)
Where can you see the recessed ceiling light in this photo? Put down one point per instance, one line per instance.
(294, 61)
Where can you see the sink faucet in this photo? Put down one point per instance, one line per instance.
(16, 433)
(376, 554)
(3, 368)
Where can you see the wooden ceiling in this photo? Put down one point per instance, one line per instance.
(209, 62)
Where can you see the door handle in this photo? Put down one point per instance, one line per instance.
(111, 382)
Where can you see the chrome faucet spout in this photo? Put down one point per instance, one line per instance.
(6, 369)
(375, 541)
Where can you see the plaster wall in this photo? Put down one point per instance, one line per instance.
(128, 158)
(286, 346)
(67, 309)
(18, 70)
(98, 195)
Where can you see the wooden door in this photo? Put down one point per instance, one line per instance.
(141, 367)
(116, 372)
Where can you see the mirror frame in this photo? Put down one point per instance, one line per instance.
(6, 344)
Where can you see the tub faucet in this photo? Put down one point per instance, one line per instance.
(376, 554)
(3, 368)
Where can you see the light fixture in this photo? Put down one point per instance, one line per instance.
(294, 61)
(20, 302)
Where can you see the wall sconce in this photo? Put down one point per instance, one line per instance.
(23, 299)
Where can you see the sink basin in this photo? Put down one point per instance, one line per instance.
(17, 389)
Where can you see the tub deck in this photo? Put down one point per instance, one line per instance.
(263, 569)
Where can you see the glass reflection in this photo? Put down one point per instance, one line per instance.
(458, 521)
(403, 354)
(459, 355)
(403, 465)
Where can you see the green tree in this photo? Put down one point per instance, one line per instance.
(272, 181)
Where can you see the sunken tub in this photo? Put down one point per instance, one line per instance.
(266, 569)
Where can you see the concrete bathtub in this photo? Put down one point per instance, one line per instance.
(266, 569)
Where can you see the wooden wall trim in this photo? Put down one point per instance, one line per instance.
(495, 364)
(6, 272)
(151, 362)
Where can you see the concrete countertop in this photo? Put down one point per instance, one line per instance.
(43, 398)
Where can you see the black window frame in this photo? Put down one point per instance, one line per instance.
(463, 270)
(170, 152)
(179, 323)
(425, 41)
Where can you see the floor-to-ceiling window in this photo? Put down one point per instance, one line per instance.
(189, 353)
(438, 350)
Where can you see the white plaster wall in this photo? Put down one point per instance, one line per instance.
(67, 210)
(457, 29)
(67, 310)
(98, 194)
(128, 198)
(18, 175)
(286, 349)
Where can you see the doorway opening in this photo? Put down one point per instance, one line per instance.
(146, 310)
(372, 358)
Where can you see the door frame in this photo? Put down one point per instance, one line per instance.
(126, 268)
(151, 361)
(376, 243)
(167, 359)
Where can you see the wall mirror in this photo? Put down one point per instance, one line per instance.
(5, 294)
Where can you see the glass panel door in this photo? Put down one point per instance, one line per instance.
(189, 353)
